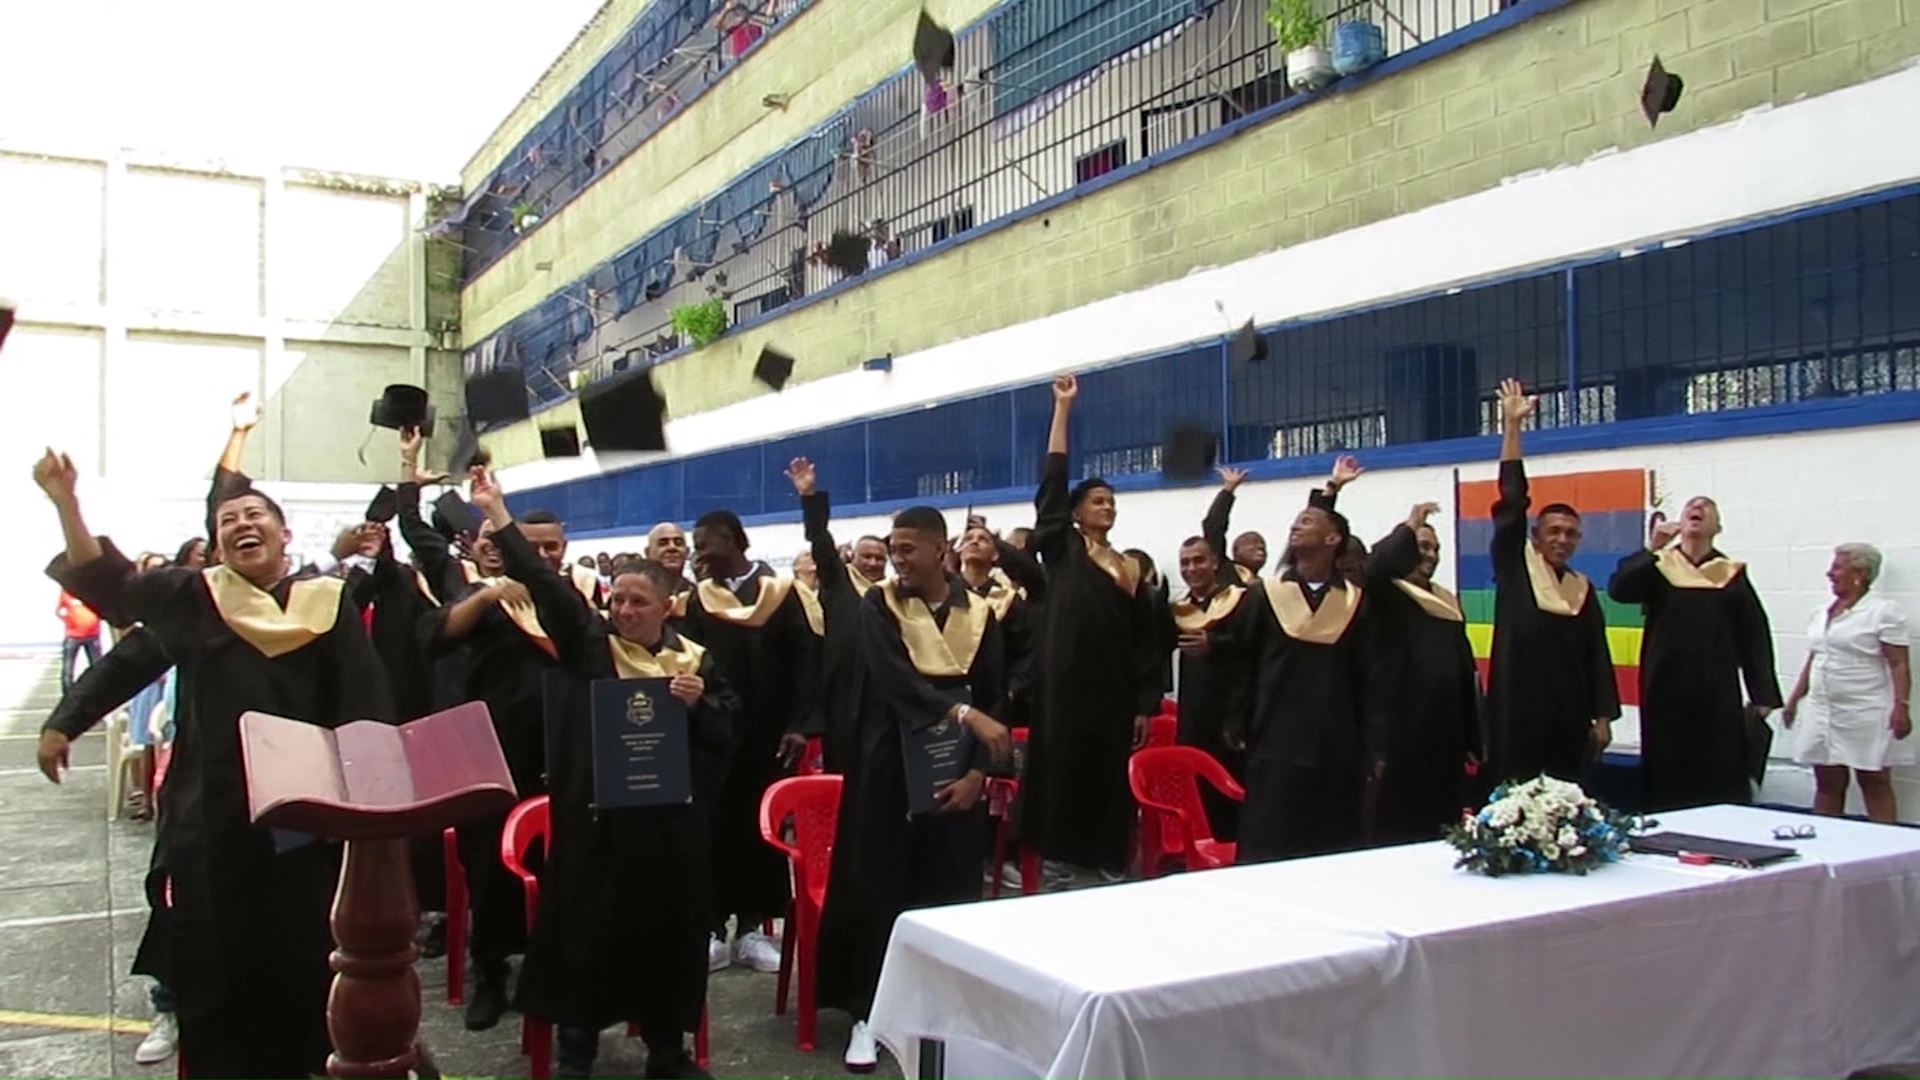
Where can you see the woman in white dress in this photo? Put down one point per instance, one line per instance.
(1850, 704)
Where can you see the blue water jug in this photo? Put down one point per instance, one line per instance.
(1358, 46)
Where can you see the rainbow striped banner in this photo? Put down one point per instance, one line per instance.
(1613, 515)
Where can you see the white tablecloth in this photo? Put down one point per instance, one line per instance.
(1390, 962)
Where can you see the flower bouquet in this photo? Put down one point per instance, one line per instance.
(1540, 826)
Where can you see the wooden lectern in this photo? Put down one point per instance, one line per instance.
(374, 785)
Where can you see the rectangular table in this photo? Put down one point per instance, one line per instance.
(1390, 962)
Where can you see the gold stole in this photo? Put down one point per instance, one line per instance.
(810, 604)
(426, 590)
(937, 652)
(1120, 567)
(999, 593)
(1435, 600)
(470, 570)
(585, 580)
(1300, 621)
(1555, 594)
(313, 604)
(720, 602)
(635, 661)
(677, 606)
(525, 616)
(1716, 573)
(1194, 618)
(1246, 576)
(860, 582)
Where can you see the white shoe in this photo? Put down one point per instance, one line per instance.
(1010, 877)
(862, 1053)
(757, 951)
(719, 957)
(161, 1038)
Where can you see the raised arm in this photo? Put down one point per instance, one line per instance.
(1346, 469)
(92, 568)
(1214, 526)
(128, 668)
(563, 615)
(228, 480)
(1637, 577)
(1508, 547)
(1053, 513)
(1022, 569)
(1399, 554)
(816, 509)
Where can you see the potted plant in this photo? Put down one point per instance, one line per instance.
(524, 215)
(1297, 30)
(701, 323)
(1357, 46)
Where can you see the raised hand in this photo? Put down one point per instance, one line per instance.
(246, 413)
(485, 493)
(801, 472)
(1418, 516)
(1515, 404)
(1065, 389)
(1346, 469)
(56, 476)
(1230, 478)
(410, 440)
(1660, 532)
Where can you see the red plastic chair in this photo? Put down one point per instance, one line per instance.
(813, 802)
(814, 762)
(456, 873)
(529, 822)
(1001, 792)
(1166, 784)
(1163, 730)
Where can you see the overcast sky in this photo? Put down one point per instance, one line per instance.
(401, 88)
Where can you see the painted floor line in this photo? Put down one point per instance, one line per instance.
(36, 771)
(65, 1022)
(56, 920)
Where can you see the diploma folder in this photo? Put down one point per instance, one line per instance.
(642, 750)
(1729, 852)
(933, 756)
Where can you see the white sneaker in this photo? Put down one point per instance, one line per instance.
(1010, 877)
(862, 1053)
(719, 957)
(758, 951)
(164, 1034)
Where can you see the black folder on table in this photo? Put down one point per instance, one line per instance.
(642, 750)
(934, 756)
(1730, 852)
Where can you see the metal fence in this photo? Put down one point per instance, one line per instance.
(1819, 306)
(1046, 95)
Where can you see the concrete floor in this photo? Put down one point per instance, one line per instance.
(72, 911)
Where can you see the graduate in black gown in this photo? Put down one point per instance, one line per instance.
(930, 653)
(1706, 636)
(667, 545)
(837, 597)
(1423, 665)
(1009, 580)
(1551, 698)
(621, 933)
(508, 654)
(755, 627)
(1313, 739)
(1097, 669)
(244, 945)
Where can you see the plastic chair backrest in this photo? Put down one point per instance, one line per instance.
(813, 802)
(1167, 779)
(814, 761)
(528, 822)
(1162, 730)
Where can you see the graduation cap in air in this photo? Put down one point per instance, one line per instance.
(625, 414)
(1247, 346)
(466, 453)
(385, 504)
(847, 252)
(498, 396)
(560, 442)
(932, 48)
(773, 368)
(402, 406)
(1187, 454)
(1660, 93)
(6, 318)
(453, 514)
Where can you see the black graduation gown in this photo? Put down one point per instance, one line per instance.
(830, 715)
(1097, 666)
(1706, 636)
(884, 861)
(434, 562)
(246, 941)
(132, 665)
(621, 933)
(398, 606)
(1551, 675)
(769, 659)
(1430, 696)
(1312, 730)
(1216, 690)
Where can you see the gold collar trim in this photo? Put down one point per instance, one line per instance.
(1553, 593)
(635, 661)
(1434, 600)
(1188, 615)
(720, 602)
(1301, 621)
(810, 604)
(1716, 573)
(313, 605)
(938, 652)
(1122, 568)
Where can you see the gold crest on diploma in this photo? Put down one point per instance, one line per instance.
(639, 709)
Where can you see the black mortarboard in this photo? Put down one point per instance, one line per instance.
(847, 252)
(498, 396)
(6, 319)
(773, 368)
(385, 504)
(456, 514)
(1247, 345)
(1660, 93)
(1187, 454)
(560, 442)
(624, 414)
(932, 48)
(399, 406)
